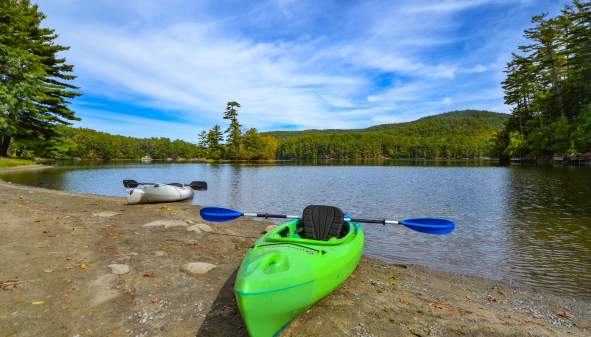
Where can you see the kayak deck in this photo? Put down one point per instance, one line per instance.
(283, 274)
(148, 194)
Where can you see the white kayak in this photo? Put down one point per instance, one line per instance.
(153, 193)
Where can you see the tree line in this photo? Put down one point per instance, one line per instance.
(454, 135)
(81, 143)
(68, 143)
(548, 85)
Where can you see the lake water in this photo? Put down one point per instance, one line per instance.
(527, 225)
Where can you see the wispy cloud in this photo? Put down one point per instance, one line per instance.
(306, 64)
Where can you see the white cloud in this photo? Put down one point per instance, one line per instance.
(190, 58)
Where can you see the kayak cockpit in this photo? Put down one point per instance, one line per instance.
(292, 232)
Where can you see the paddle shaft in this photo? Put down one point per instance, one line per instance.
(283, 216)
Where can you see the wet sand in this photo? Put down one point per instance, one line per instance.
(55, 280)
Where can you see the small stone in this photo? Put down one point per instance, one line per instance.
(197, 268)
(204, 227)
(167, 223)
(270, 228)
(119, 269)
(105, 214)
(194, 228)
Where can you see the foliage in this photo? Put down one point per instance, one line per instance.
(453, 135)
(233, 132)
(248, 146)
(548, 84)
(34, 88)
(90, 144)
(215, 150)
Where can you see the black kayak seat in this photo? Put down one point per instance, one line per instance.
(322, 222)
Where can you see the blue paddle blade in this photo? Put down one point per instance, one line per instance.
(430, 225)
(218, 214)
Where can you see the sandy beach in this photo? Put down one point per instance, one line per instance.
(86, 265)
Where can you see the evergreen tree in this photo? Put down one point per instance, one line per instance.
(233, 132)
(548, 85)
(34, 88)
(202, 139)
(214, 146)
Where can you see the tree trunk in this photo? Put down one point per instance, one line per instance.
(4, 143)
(558, 90)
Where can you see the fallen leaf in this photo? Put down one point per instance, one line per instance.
(563, 313)
(468, 298)
(66, 296)
(394, 281)
(154, 300)
(168, 209)
(148, 273)
(83, 266)
(37, 302)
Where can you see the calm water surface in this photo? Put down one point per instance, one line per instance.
(527, 225)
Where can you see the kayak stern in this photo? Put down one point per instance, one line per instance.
(282, 275)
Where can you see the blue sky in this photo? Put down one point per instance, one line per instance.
(167, 68)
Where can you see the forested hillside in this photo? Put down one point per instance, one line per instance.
(452, 135)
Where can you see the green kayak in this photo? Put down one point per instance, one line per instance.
(293, 266)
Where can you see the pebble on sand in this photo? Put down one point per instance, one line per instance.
(197, 268)
(105, 214)
(119, 269)
(200, 227)
(167, 223)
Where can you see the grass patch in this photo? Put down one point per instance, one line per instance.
(11, 162)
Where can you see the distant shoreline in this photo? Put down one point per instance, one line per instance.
(494, 161)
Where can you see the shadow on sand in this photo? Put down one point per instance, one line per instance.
(223, 319)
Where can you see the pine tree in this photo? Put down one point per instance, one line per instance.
(202, 139)
(233, 132)
(214, 146)
(34, 88)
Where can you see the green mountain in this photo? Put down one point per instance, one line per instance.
(451, 135)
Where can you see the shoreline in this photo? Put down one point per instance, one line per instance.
(58, 245)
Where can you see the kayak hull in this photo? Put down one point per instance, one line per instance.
(149, 194)
(283, 275)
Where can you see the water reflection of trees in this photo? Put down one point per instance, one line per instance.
(49, 178)
(550, 217)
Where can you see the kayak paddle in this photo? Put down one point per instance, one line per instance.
(423, 225)
(196, 185)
